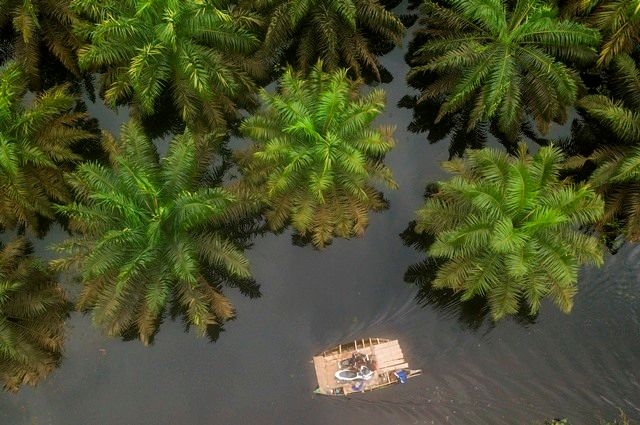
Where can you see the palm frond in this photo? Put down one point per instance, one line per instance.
(148, 233)
(314, 154)
(506, 228)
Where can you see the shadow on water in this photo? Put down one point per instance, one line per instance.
(380, 46)
(585, 136)
(6, 49)
(179, 312)
(165, 119)
(454, 128)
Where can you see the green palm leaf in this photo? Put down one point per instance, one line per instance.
(314, 155)
(619, 22)
(36, 143)
(503, 58)
(507, 228)
(199, 51)
(149, 234)
(336, 32)
(42, 23)
(32, 314)
(621, 116)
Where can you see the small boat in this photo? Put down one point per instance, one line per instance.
(362, 365)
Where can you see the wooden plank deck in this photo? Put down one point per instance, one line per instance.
(386, 355)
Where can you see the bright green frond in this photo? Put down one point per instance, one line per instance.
(315, 156)
(507, 228)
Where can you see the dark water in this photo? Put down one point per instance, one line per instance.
(584, 366)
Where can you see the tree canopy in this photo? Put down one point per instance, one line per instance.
(148, 234)
(36, 140)
(315, 154)
(41, 22)
(617, 176)
(619, 22)
(620, 113)
(503, 59)
(340, 32)
(196, 50)
(32, 314)
(507, 228)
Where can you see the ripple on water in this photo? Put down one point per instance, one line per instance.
(583, 365)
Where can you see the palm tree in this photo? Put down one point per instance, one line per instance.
(621, 115)
(617, 176)
(32, 314)
(617, 179)
(35, 148)
(619, 22)
(502, 58)
(42, 22)
(149, 233)
(507, 229)
(337, 32)
(314, 155)
(196, 50)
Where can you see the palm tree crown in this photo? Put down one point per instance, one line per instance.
(315, 154)
(148, 236)
(37, 22)
(35, 148)
(617, 176)
(500, 60)
(331, 31)
(195, 49)
(32, 314)
(507, 229)
(619, 22)
(621, 116)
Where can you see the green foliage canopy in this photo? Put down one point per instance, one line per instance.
(148, 235)
(37, 22)
(314, 155)
(32, 314)
(620, 114)
(196, 49)
(617, 177)
(619, 22)
(35, 148)
(507, 228)
(331, 31)
(503, 59)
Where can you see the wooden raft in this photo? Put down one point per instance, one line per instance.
(386, 355)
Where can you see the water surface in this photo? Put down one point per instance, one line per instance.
(584, 366)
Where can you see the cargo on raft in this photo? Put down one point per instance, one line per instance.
(361, 365)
